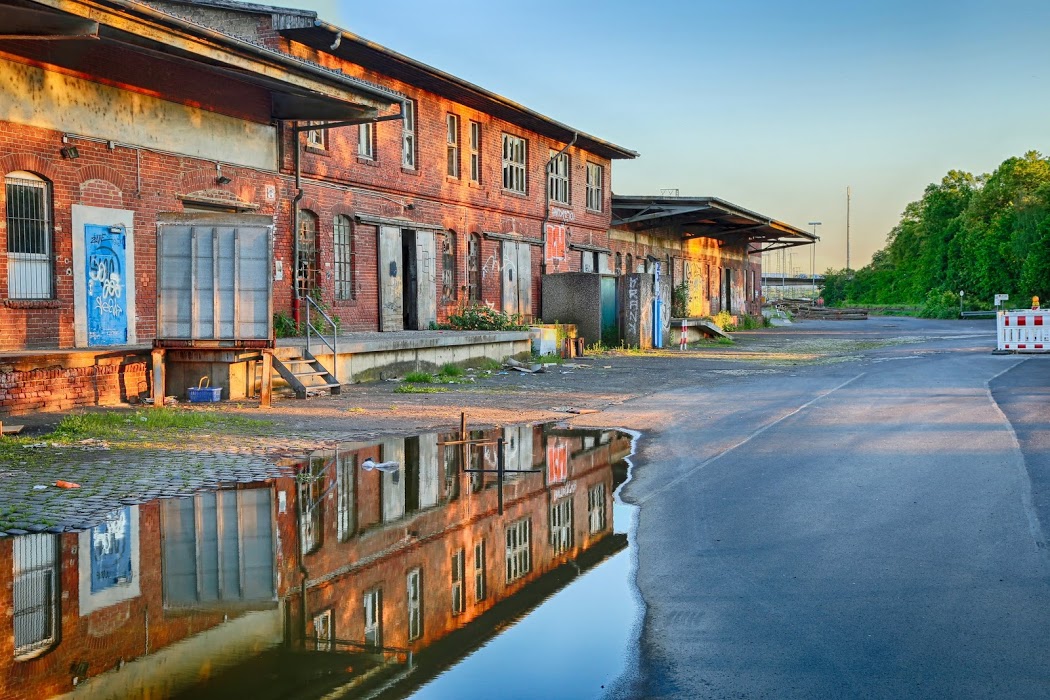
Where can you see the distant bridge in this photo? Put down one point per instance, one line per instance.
(774, 280)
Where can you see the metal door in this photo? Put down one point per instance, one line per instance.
(525, 281)
(426, 279)
(727, 291)
(510, 277)
(105, 255)
(392, 485)
(609, 312)
(390, 282)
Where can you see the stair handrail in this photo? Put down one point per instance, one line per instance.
(311, 330)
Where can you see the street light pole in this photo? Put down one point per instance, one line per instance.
(813, 259)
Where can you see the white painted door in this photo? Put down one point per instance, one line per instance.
(391, 285)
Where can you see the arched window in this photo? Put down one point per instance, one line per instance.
(619, 264)
(448, 267)
(30, 252)
(630, 264)
(344, 257)
(307, 266)
(474, 267)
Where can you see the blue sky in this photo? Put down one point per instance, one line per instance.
(775, 106)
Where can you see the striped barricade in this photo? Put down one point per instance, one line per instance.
(1024, 330)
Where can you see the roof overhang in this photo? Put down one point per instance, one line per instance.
(706, 217)
(331, 39)
(104, 34)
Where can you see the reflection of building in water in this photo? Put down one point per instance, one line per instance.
(165, 594)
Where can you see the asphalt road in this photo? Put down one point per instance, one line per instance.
(866, 529)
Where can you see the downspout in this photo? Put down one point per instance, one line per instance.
(297, 165)
(547, 209)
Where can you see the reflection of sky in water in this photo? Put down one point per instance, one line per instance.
(576, 642)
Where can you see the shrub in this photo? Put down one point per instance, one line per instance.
(482, 318)
(450, 371)
(419, 378)
(680, 301)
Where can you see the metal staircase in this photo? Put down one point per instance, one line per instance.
(305, 374)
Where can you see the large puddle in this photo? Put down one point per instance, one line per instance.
(409, 567)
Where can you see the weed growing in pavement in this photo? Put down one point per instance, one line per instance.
(450, 371)
(119, 425)
(550, 359)
(419, 378)
(417, 389)
(355, 409)
(489, 365)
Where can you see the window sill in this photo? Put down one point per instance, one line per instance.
(367, 161)
(32, 303)
(318, 151)
(594, 211)
(453, 179)
(515, 193)
(475, 184)
(410, 171)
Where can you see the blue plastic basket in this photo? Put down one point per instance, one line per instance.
(202, 393)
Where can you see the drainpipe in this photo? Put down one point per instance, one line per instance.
(297, 164)
(547, 209)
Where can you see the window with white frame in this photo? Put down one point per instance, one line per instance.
(415, 604)
(595, 187)
(344, 257)
(475, 152)
(561, 525)
(596, 508)
(345, 474)
(474, 267)
(519, 540)
(35, 594)
(558, 177)
(323, 634)
(373, 602)
(408, 135)
(515, 159)
(366, 140)
(317, 138)
(452, 144)
(311, 506)
(30, 255)
(479, 571)
(458, 573)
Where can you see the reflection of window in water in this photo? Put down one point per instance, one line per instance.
(218, 546)
(311, 487)
(452, 454)
(561, 525)
(596, 508)
(479, 571)
(415, 604)
(457, 581)
(373, 601)
(35, 594)
(323, 631)
(519, 537)
(346, 474)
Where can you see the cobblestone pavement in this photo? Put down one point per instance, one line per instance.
(143, 467)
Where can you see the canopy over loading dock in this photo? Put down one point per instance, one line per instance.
(706, 217)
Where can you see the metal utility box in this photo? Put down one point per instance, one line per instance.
(214, 281)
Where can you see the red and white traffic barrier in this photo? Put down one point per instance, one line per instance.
(682, 338)
(1023, 330)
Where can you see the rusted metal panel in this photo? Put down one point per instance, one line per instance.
(426, 279)
(390, 280)
(213, 278)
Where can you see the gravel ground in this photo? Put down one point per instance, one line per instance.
(140, 467)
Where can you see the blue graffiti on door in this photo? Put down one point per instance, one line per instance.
(107, 295)
(111, 551)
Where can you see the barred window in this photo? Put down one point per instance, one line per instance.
(448, 266)
(452, 144)
(408, 135)
(344, 257)
(30, 255)
(515, 156)
(558, 178)
(519, 539)
(475, 152)
(595, 191)
(35, 593)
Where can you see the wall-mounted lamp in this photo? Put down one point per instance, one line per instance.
(222, 180)
(69, 152)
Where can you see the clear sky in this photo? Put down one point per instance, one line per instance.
(774, 105)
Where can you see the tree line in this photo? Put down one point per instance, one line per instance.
(982, 235)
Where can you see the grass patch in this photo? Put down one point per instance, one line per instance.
(551, 359)
(417, 389)
(450, 371)
(121, 425)
(419, 378)
(489, 365)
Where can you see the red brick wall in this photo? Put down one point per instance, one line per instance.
(62, 388)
